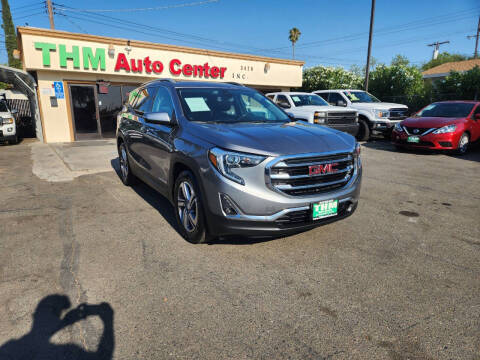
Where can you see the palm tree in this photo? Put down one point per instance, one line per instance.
(293, 37)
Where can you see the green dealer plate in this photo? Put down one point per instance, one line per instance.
(413, 139)
(324, 209)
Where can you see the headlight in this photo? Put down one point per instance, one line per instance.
(445, 129)
(226, 161)
(319, 117)
(7, 121)
(398, 127)
(381, 113)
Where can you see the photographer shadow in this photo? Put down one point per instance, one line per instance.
(47, 321)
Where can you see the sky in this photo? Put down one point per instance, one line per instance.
(333, 33)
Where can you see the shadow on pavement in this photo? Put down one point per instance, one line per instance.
(47, 321)
(156, 200)
(473, 153)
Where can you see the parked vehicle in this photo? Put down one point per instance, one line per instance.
(313, 109)
(231, 162)
(446, 125)
(374, 116)
(8, 123)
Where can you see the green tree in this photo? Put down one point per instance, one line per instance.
(399, 82)
(324, 78)
(293, 36)
(459, 86)
(10, 36)
(443, 58)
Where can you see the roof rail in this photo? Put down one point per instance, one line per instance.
(234, 83)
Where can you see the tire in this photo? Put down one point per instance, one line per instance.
(14, 141)
(126, 174)
(189, 210)
(364, 131)
(463, 143)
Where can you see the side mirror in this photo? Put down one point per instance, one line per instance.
(157, 118)
(14, 111)
(291, 116)
(341, 103)
(477, 117)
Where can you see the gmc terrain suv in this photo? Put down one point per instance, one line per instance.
(374, 116)
(232, 162)
(313, 109)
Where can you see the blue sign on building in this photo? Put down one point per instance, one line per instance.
(58, 86)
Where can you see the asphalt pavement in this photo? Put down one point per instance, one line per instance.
(400, 279)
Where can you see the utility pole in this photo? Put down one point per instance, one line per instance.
(436, 47)
(475, 54)
(50, 14)
(367, 70)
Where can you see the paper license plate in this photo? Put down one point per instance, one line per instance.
(413, 139)
(324, 209)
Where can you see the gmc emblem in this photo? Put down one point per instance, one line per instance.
(322, 169)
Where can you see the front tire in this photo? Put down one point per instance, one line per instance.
(189, 209)
(126, 174)
(364, 131)
(463, 143)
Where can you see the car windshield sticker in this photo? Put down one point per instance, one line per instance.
(197, 104)
(295, 98)
(352, 97)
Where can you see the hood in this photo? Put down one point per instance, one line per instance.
(311, 108)
(430, 122)
(274, 139)
(380, 106)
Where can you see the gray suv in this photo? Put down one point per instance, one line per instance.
(232, 162)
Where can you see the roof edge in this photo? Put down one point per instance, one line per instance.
(27, 30)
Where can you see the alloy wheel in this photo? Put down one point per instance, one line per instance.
(187, 206)
(123, 161)
(463, 144)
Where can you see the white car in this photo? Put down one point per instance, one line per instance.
(8, 123)
(313, 109)
(374, 116)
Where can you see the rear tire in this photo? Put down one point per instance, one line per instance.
(463, 143)
(126, 174)
(189, 210)
(364, 131)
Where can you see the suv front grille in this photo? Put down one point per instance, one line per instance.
(292, 176)
(341, 118)
(398, 114)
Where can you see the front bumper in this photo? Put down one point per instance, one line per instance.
(7, 132)
(383, 126)
(264, 212)
(448, 141)
(351, 129)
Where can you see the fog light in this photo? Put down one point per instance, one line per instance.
(10, 129)
(228, 206)
(350, 208)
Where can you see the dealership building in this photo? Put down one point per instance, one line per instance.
(83, 80)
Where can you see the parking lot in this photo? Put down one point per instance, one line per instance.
(400, 279)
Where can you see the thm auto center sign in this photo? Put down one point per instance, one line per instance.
(89, 58)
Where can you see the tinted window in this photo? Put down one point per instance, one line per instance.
(282, 99)
(448, 110)
(144, 100)
(334, 98)
(323, 95)
(307, 99)
(163, 102)
(228, 105)
(477, 111)
(3, 107)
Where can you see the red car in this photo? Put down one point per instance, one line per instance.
(446, 125)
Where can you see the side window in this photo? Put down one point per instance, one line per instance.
(334, 98)
(323, 95)
(477, 111)
(163, 102)
(282, 101)
(271, 96)
(144, 99)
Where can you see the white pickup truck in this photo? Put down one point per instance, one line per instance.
(374, 116)
(313, 109)
(8, 124)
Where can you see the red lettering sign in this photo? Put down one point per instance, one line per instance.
(322, 169)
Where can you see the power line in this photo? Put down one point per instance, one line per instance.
(25, 16)
(165, 7)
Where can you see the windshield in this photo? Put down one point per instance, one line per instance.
(3, 107)
(307, 99)
(360, 97)
(228, 106)
(448, 110)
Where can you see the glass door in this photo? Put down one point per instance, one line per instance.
(84, 110)
(109, 105)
